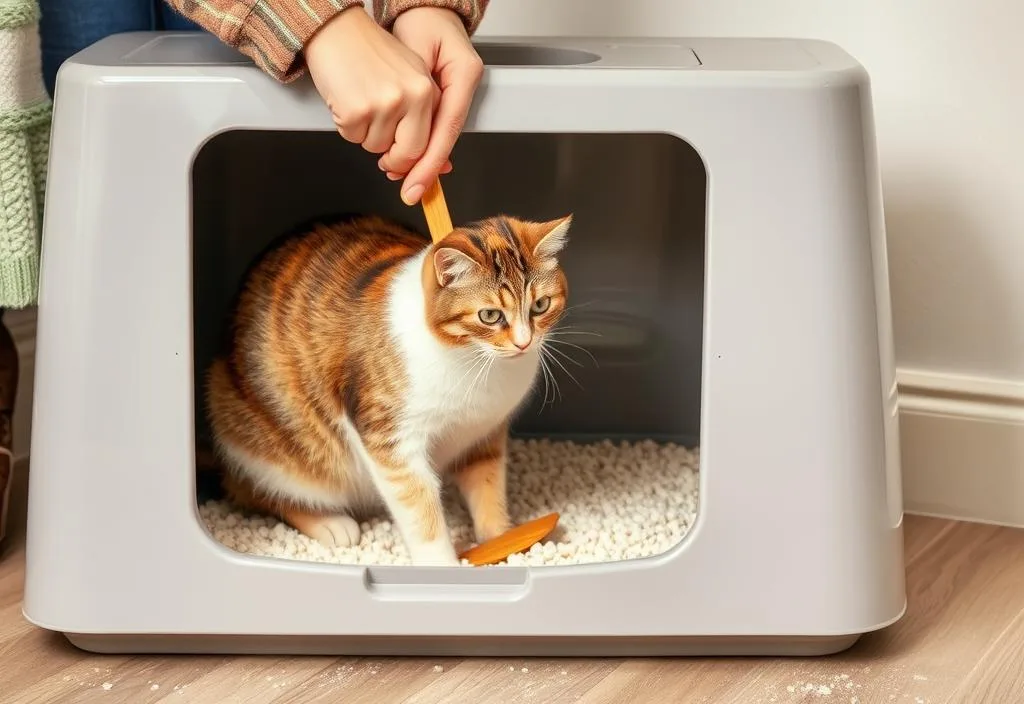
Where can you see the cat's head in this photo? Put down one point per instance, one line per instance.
(497, 284)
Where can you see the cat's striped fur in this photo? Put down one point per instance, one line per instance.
(359, 368)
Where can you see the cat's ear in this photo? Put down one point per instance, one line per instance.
(452, 266)
(551, 237)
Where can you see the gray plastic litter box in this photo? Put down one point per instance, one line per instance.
(728, 219)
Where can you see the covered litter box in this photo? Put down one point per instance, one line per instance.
(727, 253)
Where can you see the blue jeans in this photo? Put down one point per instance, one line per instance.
(68, 26)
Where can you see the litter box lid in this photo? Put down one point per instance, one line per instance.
(783, 58)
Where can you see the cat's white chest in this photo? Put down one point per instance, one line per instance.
(456, 400)
(455, 397)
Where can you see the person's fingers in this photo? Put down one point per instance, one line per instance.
(456, 97)
(352, 120)
(381, 134)
(413, 130)
(392, 176)
(388, 109)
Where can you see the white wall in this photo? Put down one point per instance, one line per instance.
(949, 100)
(949, 103)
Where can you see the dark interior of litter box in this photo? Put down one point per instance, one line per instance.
(635, 259)
(635, 262)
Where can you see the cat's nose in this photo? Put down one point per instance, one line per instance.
(521, 336)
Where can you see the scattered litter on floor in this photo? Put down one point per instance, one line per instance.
(888, 684)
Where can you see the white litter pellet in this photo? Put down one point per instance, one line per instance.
(617, 500)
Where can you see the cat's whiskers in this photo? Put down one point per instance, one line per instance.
(488, 360)
(479, 359)
(563, 355)
(584, 350)
(544, 376)
(487, 373)
(572, 330)
(545, 373)
(553, 358)
(577, 306)
(556, 389)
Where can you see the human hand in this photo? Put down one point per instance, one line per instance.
(379, 91)
(438, 37)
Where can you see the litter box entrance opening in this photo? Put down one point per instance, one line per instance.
(613, 447)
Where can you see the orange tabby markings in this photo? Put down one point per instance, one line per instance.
(422, 500)
(352, 371)
(520, 538)
(481, 481)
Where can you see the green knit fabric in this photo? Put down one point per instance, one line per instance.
(18, 13)
(24, 148)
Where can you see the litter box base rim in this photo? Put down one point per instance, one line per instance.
(454, 646)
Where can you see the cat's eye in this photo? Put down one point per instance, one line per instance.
(541, 305)
(490, 316)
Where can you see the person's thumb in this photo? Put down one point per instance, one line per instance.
(458, 84)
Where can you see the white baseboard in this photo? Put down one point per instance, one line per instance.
(962, 441)
(962, 438)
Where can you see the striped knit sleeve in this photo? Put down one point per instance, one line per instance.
(471, 11)
(272, 33)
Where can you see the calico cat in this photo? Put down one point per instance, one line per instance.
(365, 365)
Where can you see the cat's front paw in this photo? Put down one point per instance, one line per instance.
(332, 531)
(489, 529)
(435, 555)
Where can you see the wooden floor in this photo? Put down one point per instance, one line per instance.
(962, 640)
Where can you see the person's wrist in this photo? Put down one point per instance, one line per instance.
(415, 14)
(350, 19)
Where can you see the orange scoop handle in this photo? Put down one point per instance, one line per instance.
(436, 209)
(518, 539)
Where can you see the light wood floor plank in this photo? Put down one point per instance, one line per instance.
(963, 590)
(245, 679)
(920, 533)
(749, 681)
(961, 642)
(999, 675)
(659, 681)
(516, 681)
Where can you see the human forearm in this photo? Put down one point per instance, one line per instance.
(471, 11)
(272, 33)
